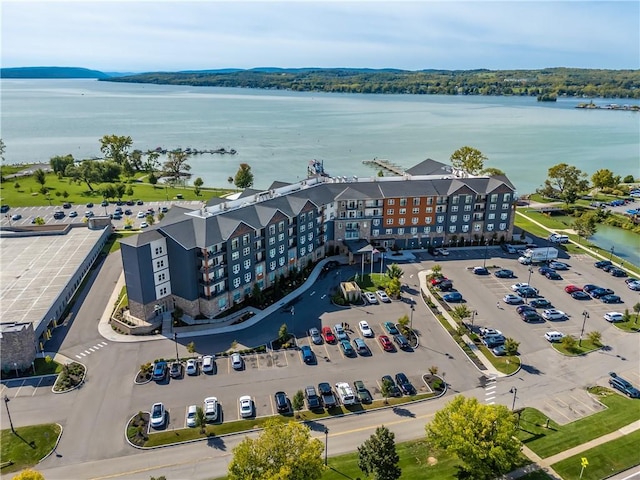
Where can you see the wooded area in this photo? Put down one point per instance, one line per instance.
(570, 82)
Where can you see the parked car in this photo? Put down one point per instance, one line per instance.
(611, 299)
(540, 303)
(572, 288)
(404, 384)
(589, 287)
(360, 346)
(308, 356)
(346, 347)
(160, 370)
(618, 272)
(364, 396)
(192, 367)
(453, 297)
(608, 268)
(558, 265)
(442, 251)
(365, 329)
(315, 336)
(517, 286)
(527, 292)
(245, 405)
(312, 398)
(503, 273)
(391, 329)
(613, 317)
(493, 340)
(553, 275)
(158, 415)
(383, 296)
(602, 263)
(141, 215)
(623, 385)
(545, 270)
(370, 297)
(394, 391)
(237, 361)
(144, 225)
(208, 364)
(580, 295)
(600, 292)
(524, 308)
(485, 331)
(531, 316)
(210, 409)
(90, 205)
(328, 335)
(282, 402)
(402, 341)
(436, 280)
(499, 351)
(340, 333)
(192, 415)
(326, 394)
(445, 286)
(512, 299)
(480, 271)
(553, 314)
(386, 344)
(176, 370)
(554, 336)
(73, 214)
(635, 286)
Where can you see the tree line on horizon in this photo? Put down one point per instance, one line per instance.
(556, 82)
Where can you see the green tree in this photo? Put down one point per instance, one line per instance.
(380, 173)
(16, 186)
(394, 271)
(88, 172)
(511, 346)
(566, 182)
(40, 176)
(283, 451)
(198, 182)
(121, 188)
(436, 271)
(569, 343)
(244, 176)
(283, 333)
(386, 389)
(150, 219)
(636, 309)
(39, 221)
(59, 163)
(604, 178)
(586, 224)
(2, 149)
(468, 159)
(595, 337)
(176, 164)
(298, 401)
(201, 421)
(378, 457)
(129, 191)
(393, 288)
(628, 179)
(492, 171)
(403, 321)
(152, 164)
(461, 312)
(116, 147)
(191, 347)
(109, 191)
(481, 436)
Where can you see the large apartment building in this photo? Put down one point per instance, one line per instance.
(206, 260)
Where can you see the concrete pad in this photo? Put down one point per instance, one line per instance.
(569, 406)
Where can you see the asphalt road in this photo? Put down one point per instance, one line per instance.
(94, 416)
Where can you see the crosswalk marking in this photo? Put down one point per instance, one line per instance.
(93, 349)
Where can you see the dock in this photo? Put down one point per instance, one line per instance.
(385, 165)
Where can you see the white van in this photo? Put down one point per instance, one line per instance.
(346, 393)
(555, 238)
(554, 336)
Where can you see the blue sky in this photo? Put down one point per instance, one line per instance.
(133, 36)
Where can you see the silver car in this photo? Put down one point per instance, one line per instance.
(316, 338)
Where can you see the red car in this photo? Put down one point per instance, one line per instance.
(386, 343)
(572, 288)
(328, 335)
(438, 280)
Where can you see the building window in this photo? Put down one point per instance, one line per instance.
(439, 229)
(465, 228)
(494, 198)
(247, 277)
(375, 232)
(477, 227)
(272, 229)
(376, 222)
(272, 240)
(272, 252)
(427, 219)
(401, 231)
(222, 303)
(234, 243)
(160, 264)
(401, 221)
(454, 208)
(491, 216)
(490, 227)
(452, 229)
(403, 211)
(281, 237)
(389, 221)
(414, 230)
(440, 218)
(454, 218)
(247, 264)
(426, 229)
(391, 201)
(158, 250)
(415, 211)
(281, 226)
(302, 239)
(236, 269)
(310, 225)
(403, 202)
(246, 239)
(467, 208)
(430, 201)
(303, 250)
(507, 197)
(414, 220)
(503, 216)
(236, 282)
(429, 210)
(441, 209)
(281, 261)
(416, 201)
(302, 228)
(163, 291)
(454, 199)
(310, 236)
(246, 251)
(303, 217)
(388, 231)
(235, 255)
(505, 206)
(390, 211)
(281, 249)
(468, 198)
(492, 206)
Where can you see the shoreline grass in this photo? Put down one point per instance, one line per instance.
(27, 446)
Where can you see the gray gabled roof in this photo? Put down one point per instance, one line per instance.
(143, 238)
(430, 167)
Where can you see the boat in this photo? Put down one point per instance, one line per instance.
(316, 169)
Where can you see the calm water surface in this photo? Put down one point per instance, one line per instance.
(278, 132)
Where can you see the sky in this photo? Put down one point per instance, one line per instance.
(161, 35)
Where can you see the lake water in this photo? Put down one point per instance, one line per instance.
(278, 132)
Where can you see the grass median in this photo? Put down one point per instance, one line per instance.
(547, 442)
(27, 446)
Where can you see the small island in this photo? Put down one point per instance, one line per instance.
(609, 106)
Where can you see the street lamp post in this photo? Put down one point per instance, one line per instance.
(6, 404)
(585, 315)
(293, 321)
(513, 390)
(612, 250)
(175, 339)
(486, 247)
(412, 309)
(326, 443)
(473, 316)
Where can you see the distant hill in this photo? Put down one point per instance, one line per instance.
(51, 72)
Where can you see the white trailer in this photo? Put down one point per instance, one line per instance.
(537, 255)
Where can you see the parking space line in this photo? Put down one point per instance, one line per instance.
(559, 411)
(36, 387)
(19, 388)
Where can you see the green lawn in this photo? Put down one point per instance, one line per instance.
(28, 447)
(27, 194)
(547, 442)
(604, 460)
(372, 282)
(586, 347)
(632, 325)
(507, 364)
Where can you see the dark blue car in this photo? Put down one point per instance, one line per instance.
(453, 297)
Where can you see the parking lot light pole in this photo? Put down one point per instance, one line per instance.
(486, 247)
(326, 443)
(513, 390)
(473, 316)
(412, 309)
(612, 250)
(6, 404)
(585, 315)
(175, 339)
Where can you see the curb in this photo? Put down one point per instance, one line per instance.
(84, 375)
(54, 446)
